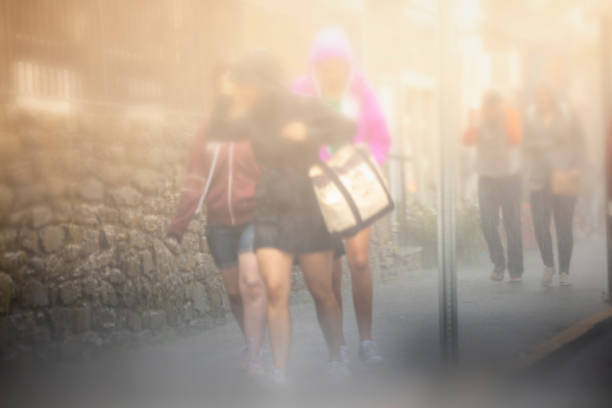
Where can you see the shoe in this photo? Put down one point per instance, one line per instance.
(255, 368)
(338, 372)
(564, 279)
(515, 279)
(547, 277)
(278, 378)
(368, 352)
(345, 354)
(497, 276)
(245, 357)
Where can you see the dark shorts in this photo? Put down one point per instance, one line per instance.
(339, 250)
(226, 242)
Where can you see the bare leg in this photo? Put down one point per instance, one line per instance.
(253, 292)
(275, 267)
(317, 269)
(232, 288)
(337, 285)
(358, 256)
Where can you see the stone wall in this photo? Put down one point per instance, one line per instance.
(84, 205)
(84, 259)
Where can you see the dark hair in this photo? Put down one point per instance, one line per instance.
(258, 68)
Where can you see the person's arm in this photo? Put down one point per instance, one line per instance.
(513, 127)
(378, 136)
(533, 153)
(578, 143)
(192, 188)
(470, 135)
(325, 126)
(379, 139)
(529, 144)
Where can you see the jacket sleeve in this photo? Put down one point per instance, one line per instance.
(192, 188)
(324, 125)
(378, 136)
(578, 139)
(531, 150)
(470, 136)
(513, 127)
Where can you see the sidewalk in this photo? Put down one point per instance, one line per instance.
(498, 323)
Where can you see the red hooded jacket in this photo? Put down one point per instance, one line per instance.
(231, 195)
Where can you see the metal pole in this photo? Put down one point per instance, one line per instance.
(446, 192)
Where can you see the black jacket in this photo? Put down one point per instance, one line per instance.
(285, 185)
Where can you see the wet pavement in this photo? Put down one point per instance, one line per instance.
(498, 323)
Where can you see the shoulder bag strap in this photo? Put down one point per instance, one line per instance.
(343, 190)
(211, 172)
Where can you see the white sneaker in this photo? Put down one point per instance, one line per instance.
(547, 277)
(338, 372)
(497, 276)
(345, 354)
(368, 352)
(245, 357)
(278, 378)
(255, 368)
(564, 279)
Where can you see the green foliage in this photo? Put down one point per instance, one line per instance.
(421, 228)
(470, 241)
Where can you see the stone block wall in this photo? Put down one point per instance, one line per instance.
(84, 205)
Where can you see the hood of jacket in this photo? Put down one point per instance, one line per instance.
(372, 127)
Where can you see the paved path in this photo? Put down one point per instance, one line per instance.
(498, 323)
(578, 377)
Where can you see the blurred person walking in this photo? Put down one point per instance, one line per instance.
(286, 132)
(497, 137)
(334, 78)
(224, 177)
(554, 154)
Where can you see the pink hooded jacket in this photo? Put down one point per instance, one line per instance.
(372, 126)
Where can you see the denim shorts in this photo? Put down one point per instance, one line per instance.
(226, 242)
